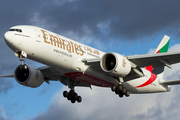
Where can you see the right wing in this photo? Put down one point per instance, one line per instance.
(156, 60)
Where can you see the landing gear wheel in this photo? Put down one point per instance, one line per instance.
(75, 96)
(116, 91)
(121, 94)
(120, 90)
(119, 87)
(72, 96)
(124, 90)
(21, 67)
(113, 88)
(65, 94)
(127, 93)
(69, 97)
(25, 67)
(79, 99)
(73, 100)
(71, 92)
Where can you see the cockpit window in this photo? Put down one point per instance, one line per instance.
(18, 30)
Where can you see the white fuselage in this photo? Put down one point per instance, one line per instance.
(66, 55)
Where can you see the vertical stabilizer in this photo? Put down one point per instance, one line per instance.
(163, 45)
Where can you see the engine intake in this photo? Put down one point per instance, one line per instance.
(115, 64)
(29, 76)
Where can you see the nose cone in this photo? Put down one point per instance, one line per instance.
(8, 37)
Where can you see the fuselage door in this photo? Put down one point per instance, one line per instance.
(37, 36)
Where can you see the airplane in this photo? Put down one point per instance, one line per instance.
(78, 65)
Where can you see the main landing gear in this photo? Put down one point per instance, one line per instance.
(72, 96)
(120, 90)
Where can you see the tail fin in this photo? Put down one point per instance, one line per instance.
(162, 47)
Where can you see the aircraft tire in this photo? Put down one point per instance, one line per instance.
(73, 100)
(76, 96)
(69, 97)
(127, 93)
(119, 87)
(65, 94)
(21, 67)
(71, 92)
(25, 67)
(113, 88)
(116, 91)
(79, 99)
(124, 90)
(121, 94)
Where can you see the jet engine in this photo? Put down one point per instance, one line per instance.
(29, 76)
(115, 64)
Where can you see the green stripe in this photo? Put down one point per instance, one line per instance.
(164, 48)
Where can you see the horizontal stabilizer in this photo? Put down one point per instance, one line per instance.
(174, 82)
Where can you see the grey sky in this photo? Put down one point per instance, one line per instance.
(120, 19)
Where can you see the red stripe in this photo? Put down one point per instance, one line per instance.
(149, 68)
(158, 51)
(152, 78)
(148, 82)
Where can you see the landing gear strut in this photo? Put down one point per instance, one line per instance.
(120, 90)
(21, 55)
(72, 96)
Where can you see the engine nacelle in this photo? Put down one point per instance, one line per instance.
(115, 64)
(29, 76)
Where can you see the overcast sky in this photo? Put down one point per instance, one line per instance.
(127, 27)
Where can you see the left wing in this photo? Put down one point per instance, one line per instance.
(7, 75)
(156, 60)
(52, 74)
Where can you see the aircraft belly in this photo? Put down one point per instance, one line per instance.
(89, 79)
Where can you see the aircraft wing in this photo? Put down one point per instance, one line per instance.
(52, 74)
(156, 60)
(7, 75)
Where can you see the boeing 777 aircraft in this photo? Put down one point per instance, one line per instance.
(75, 64)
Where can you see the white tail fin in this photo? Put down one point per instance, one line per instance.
(163, 45)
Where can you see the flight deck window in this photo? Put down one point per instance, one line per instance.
(18, 30)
